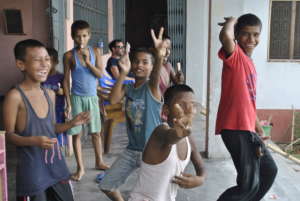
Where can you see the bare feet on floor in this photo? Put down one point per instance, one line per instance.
(101, 166)
(77, 175)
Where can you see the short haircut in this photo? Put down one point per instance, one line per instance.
(246, 20)
(146, 51)
(172, 91)
(78, 25)
(21, 47)
(114, 43)
(53, 53)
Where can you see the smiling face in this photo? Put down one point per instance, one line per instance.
(248, 38)
(118, 49)
(82, 37)
(36, 64)
(142, 65)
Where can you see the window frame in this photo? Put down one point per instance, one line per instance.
(292, 34)
(6, 22)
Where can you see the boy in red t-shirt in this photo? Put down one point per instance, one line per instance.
(236, 118)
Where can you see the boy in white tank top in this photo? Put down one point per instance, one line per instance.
(168, 151)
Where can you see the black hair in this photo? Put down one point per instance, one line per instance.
(172, 91)
(20, 47)
(246, 20)
(146, 51)
(53, 53)
(114, 43)
(78, 25)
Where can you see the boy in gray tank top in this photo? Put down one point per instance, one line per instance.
(29, 122)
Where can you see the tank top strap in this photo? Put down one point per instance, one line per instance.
(28, 106)
(51, 105)
(77, 62)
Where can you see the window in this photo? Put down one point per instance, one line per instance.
(13, 21)
(95, 12)
(285, 31)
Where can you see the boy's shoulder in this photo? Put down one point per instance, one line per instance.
(68, 54)
(13, 96)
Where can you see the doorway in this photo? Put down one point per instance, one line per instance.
(141, 16)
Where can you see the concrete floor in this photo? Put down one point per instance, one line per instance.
(220, 174)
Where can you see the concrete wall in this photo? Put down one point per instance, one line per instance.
(196, 47)
(35, 25)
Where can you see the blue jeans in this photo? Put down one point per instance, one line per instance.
(127, 162)
(255, 175)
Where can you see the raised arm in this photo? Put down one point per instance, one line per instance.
(117, 92)
(67, 61)
(11, 107)
(226, 36)
(97, 70)
(160, 52)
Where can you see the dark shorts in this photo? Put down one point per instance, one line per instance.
(58, 192)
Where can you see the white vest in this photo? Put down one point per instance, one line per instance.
(155, 181)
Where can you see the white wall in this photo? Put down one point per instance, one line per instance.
(196, 47)
(277, 81)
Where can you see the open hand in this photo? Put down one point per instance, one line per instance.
(160, 46)
(68, 112)
(188, 180)
(81, 118)
(227, 21)
(44, 141)
(124, 61)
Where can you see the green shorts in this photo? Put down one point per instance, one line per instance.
(82, 104)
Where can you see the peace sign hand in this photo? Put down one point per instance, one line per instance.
(182, 123)
(159, 44)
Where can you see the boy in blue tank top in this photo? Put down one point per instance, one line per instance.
(142, 110)
(83, 64)
(29, 121)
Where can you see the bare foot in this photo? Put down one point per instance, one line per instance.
(102, 166)
(77, 175)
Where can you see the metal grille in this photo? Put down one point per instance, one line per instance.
(57, 10)
(119, 19)
(177, 31)
(280, 30)
(95, 13)
(297, 33)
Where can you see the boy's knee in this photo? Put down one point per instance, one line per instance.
(76, 137)
(95, 135)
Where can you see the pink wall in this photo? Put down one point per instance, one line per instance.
(282, 120)
(35, 25)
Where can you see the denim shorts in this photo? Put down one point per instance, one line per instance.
(127, 162)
